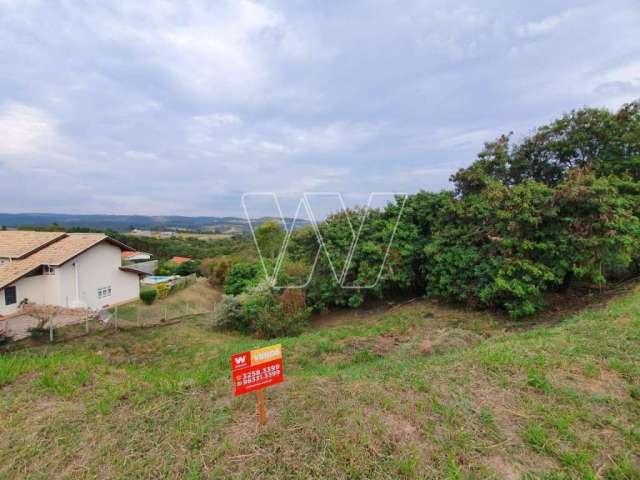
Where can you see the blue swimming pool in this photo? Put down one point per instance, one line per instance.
(156, 279)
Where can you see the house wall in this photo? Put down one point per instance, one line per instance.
(96, 268)
(31, 288)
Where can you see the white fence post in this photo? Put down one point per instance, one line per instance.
(51, 329)
(86, 323)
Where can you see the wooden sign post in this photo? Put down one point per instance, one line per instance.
(262, 411)
(256, 370)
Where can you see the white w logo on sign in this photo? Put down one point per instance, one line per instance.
(339, 260)
(240, 360)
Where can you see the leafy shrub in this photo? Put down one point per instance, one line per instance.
(206, 266)
(294, 273)
(272, 322)
(268, 315)
(260, 311)
(240, 277)
(187, 268)
(163, 290)
(269, 238)
(218, 269)
(292, 300)
(229, 314)
(166, 268)
(148, 296)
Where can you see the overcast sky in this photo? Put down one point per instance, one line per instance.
(178, 107)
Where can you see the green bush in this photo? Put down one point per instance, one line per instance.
(271, 322)
(163, 289)
(506, 247)
(187, 268)
(259, 311)
(229, 314)
(266, 315)
(166, 269)
(148, 296)
(242, 276)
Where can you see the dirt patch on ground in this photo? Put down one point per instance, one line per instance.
(398, 427)
(608, 383)
(504, 468)
(444, 340)
(623, 321)
(337, 317)
(381, 345)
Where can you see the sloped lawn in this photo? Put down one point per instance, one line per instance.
(419, 392)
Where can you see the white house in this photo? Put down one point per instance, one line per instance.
(66, 269)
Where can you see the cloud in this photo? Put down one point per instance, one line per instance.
(207, 51)
(618, 87)
(27, 130)
(32, 143)
(166, 107)
(223, 135)
(542, 27)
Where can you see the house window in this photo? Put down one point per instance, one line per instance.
(48, 270)
(10, 296)
(104, 292)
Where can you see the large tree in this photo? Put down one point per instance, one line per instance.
(606, 142)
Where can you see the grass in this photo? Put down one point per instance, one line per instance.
(199, 296)
(419, 392)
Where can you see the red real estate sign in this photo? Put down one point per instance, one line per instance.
(257, 369)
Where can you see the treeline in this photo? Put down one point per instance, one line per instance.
(526, 218)
(196, 248)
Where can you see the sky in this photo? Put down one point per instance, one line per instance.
(164, 107)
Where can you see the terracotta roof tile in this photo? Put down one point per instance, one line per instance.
(55, 254)
(19, 244)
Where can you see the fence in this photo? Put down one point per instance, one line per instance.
(184, 281)
(20, 327)
(123, 317)
(140, 315)
(65, 326)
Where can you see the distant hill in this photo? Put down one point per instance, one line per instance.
(125, 223)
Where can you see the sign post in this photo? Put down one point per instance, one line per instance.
(262, 411)
(256, 370)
